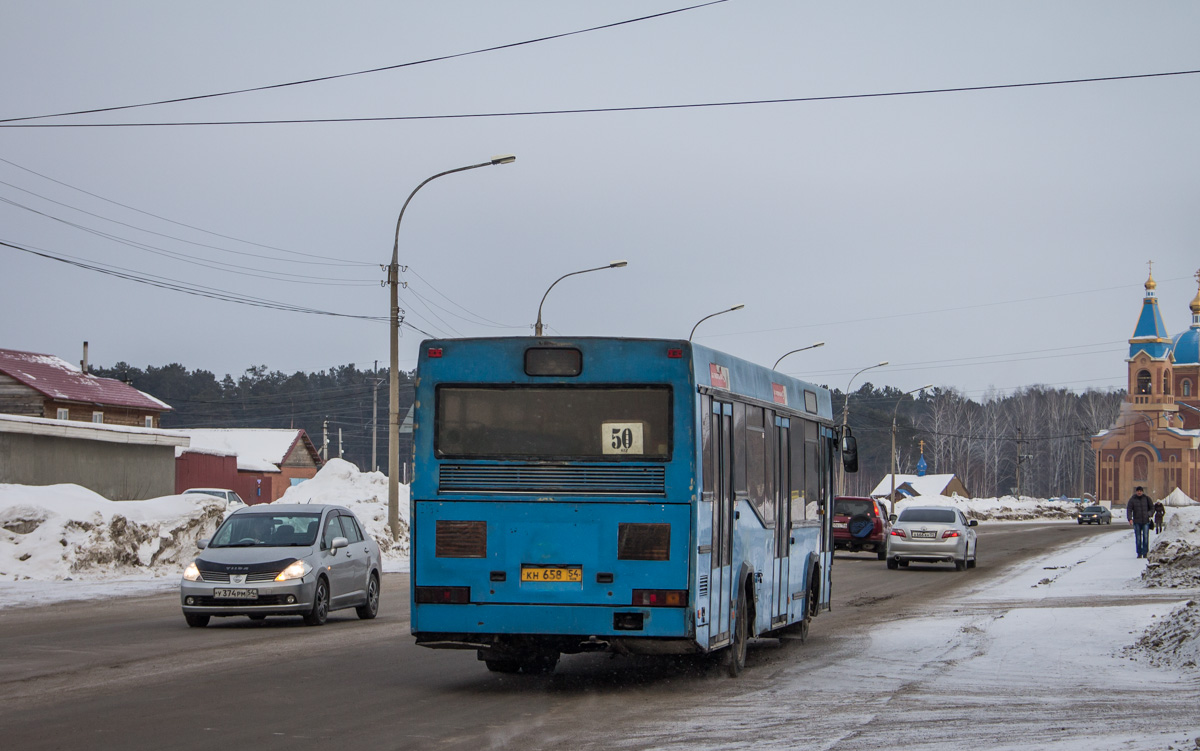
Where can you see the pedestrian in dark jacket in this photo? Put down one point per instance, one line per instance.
(1139, 510)
(1159, 513)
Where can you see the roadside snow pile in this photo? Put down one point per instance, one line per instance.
(60, 532)
(1006, 508)
(365, 493)
(1174, 559)
(1172, 642)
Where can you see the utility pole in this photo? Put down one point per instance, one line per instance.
(375, 421)
(1083, 452)
(1020, 444)
(341, 451)
(325, 440)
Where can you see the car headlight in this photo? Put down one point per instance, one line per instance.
(191, 573)
(295, 570)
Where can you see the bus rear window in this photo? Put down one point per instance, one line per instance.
(617, 423)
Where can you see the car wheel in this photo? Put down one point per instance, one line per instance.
(960, 564)
(881, 553)
(735, 658)
(1081, 522)
(370, 608)
(196, 621)
(503, 666)
(893, 564)
(903, 564)
(974, 557)
(320, 607)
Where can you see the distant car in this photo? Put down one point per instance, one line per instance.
(284, 559)
(932, 534)
(860, 524)
(232, 499)
(1095, 515)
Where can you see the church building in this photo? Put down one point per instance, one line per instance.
(1155, 441)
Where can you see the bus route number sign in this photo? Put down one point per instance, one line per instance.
(622, 438)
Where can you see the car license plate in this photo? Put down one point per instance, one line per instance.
(924, 535)
(839, 525)
(236, 594)
(552, 574)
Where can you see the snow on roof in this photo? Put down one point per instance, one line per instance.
(257, 450)
(923, 485)
(59, 379)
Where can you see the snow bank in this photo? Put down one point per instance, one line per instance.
(65, 532)
(364, 493)
(1006, 508)
(1172, 642)
(1174, 559)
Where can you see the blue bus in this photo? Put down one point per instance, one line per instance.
(640, 496)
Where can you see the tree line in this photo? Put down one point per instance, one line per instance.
(979, 441)
(337, 403)
(1037, 436)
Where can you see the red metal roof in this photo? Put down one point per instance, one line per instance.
(58, 379)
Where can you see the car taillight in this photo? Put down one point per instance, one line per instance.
(665, 598)
(950, 533)
(898, 532)
(443, 595)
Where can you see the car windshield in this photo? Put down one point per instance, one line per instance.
(1097, 509)
(936, 515)
(850, 507)
(267, 531)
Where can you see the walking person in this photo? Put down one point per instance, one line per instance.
(1139, 510)
(1159, 512)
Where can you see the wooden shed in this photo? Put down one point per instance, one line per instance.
(268, 461)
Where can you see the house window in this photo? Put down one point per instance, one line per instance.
(1143, 382)
(1141, 468)
(97, 417)
(1186, 387)
(1166, 382)
(64, 413)
(149, 421)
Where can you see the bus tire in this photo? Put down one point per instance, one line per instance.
(735, 658)
(540, 665)
(503, 666)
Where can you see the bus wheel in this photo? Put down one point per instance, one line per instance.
(502, 666)
(541, 664)
(735, 658)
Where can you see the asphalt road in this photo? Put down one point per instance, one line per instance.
(128, 673)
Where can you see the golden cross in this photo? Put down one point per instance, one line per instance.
(1198, 275)
(1151, 265)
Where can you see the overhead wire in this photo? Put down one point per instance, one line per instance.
(604, 110)
(380, 69)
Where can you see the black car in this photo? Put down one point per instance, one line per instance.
(1095, 515)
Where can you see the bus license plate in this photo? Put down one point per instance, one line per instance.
(236, 594)
(552, 574)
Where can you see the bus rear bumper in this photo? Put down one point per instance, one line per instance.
(493, 646)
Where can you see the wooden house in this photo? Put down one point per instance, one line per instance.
(265, 462)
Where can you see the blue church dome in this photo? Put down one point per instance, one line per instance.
(1187, 347)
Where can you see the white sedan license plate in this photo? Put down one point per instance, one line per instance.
(924, 535)
(236, 594)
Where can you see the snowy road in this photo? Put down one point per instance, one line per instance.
(1025, 652)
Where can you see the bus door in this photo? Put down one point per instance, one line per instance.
(783, 521)
(721, 581)
(825, 462)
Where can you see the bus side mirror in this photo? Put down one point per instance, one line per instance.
(849, 452)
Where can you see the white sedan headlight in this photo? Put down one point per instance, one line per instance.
(191, 573)
(295, 570)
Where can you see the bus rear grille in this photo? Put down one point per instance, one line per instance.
(540, 478)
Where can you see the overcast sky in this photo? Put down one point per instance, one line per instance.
(977, 239)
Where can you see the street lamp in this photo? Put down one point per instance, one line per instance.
(896, 411)
(705, 318)
(393, 280)
(537, 327)
(785, 354)
(846, 416)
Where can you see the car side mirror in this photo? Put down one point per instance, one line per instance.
(202, 543)
(973, 523)
(892, 518)
(849, 451)
(338, 542)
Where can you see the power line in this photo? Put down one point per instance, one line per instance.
(603, 110)
(365, 72)
(172, 221)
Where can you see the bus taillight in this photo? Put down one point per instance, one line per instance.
(660, 598)
(443, 595)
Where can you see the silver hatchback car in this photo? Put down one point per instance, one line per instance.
(932, 534)
(283, 559)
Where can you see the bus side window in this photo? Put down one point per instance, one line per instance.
(707, 464)
(756, 459)
(799, 492)
(812, 465)
(739, 450)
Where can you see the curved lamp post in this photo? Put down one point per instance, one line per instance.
(785, 354)
(846, 416)
(393, 281)
(896, 411)
(705, 318)
(537, 327)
